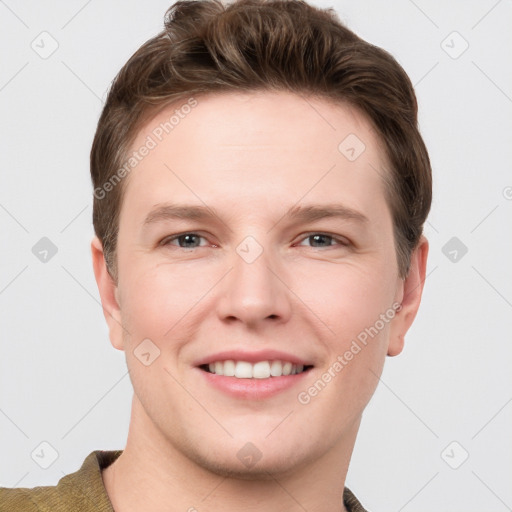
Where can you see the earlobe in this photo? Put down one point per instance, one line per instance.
(410, 292)
(396, 345)
(109, 294)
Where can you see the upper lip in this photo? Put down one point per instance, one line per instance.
(252, 357)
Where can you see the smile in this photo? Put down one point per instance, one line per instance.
(256, 370)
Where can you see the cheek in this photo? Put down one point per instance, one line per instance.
(155, 299)
(360, 314)
(348, 298)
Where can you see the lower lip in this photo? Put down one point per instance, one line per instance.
(253, 389)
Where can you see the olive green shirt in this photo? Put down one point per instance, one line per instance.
(83, 491)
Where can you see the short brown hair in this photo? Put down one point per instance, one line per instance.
(248, 45)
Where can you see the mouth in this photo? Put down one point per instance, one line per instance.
(265, 369)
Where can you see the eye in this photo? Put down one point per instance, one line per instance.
(192, 240)
(320, 240)
(184, 240)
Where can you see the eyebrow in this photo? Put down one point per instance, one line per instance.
(299, 213)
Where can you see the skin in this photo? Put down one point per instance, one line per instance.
(251, 157)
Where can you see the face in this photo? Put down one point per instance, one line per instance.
(257, 281)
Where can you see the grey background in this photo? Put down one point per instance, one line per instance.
(62, 382)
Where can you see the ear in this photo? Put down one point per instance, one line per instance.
(409, 295)
(108, 293)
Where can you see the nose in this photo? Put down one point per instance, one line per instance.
(254, 292)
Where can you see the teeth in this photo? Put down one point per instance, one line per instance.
(243, 370)
(276, 368)
(219, 368)
(259, 370)
(229, 368)
(287, 368)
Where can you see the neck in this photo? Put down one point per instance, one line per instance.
(151, 471)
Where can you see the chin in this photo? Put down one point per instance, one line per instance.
(237, 473)
(248, 462)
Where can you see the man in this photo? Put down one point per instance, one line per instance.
(260, 187)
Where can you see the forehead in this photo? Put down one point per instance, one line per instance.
(252, 148)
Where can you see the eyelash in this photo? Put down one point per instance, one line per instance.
(341, 242)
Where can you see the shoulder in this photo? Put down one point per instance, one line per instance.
(81, 491)
(351, 503)
(37, 499)
(16, 499)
